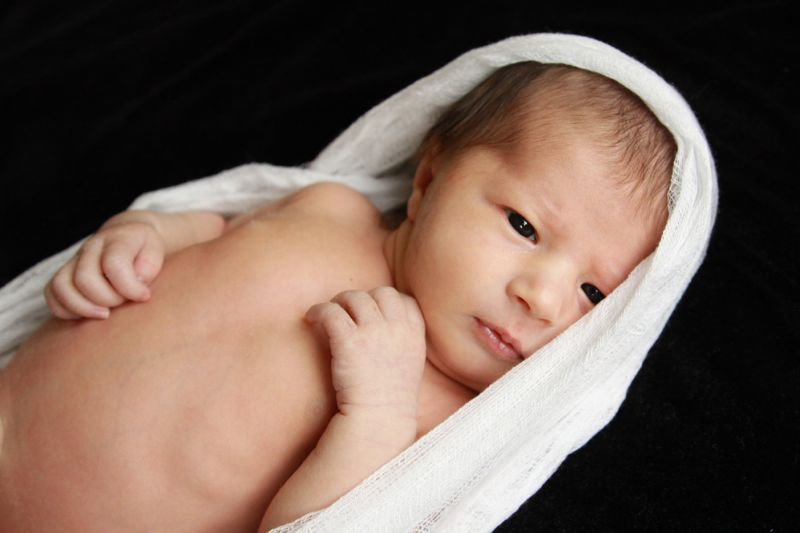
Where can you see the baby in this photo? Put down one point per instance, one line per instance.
(222, 374)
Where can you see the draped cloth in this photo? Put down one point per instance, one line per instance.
(478, 466)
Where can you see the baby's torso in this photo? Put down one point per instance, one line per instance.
(188, 412)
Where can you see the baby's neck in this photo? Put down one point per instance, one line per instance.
(439, 397)
(394, 246)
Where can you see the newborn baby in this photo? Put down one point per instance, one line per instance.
(212, 375)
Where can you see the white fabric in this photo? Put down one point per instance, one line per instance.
(481, 464)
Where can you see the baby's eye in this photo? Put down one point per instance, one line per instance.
(593, 293)
(520, 225)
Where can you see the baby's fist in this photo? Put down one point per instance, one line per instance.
(113, 266)
(377, 342)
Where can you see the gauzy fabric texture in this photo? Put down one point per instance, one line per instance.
(478, 466)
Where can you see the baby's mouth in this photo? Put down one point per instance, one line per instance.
(497, 342)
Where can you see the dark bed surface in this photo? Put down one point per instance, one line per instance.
(102, 100)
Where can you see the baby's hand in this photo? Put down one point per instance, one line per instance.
(114, 265)
(377, 342)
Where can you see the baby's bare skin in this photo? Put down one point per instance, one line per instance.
(189, 412)
(198, 410)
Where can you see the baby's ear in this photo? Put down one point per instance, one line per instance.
(422, 178)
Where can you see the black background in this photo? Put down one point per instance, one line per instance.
(103, 100)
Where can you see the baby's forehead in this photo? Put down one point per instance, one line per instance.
(554, 169)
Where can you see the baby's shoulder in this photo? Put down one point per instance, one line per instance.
(326, 224)
(332, 199)
(330, 203)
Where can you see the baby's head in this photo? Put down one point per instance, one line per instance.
(535, 196)
(510, 104)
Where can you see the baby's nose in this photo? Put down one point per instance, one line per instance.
(543, 294)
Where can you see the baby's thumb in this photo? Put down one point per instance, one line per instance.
(148, 262)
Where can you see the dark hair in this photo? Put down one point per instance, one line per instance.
(504, 106)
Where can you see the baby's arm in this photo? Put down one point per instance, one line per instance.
(377, 342)
(118, 263)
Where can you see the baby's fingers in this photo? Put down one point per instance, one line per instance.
(118, 265)
(88, 276)
(398, 306)
(66, 301)
(331, 318)
(360, 305)
(149, 260)
(55, 306)
(390, 302)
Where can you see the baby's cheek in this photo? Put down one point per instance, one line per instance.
(580, 308)
(582, 304)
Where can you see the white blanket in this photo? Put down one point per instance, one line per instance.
(482, 463)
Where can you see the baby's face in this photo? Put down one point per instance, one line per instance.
(508, 248)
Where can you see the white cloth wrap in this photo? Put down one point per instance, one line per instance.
(481, 464)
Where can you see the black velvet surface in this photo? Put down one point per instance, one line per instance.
(102, 100)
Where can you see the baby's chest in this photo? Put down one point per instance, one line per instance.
(265, 371)
(217, 380)
(275, 270)
(242, 302)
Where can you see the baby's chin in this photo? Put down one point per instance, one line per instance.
(469, 377)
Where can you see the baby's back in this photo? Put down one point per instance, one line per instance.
(188, 412)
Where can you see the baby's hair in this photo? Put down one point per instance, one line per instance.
(504, 106)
